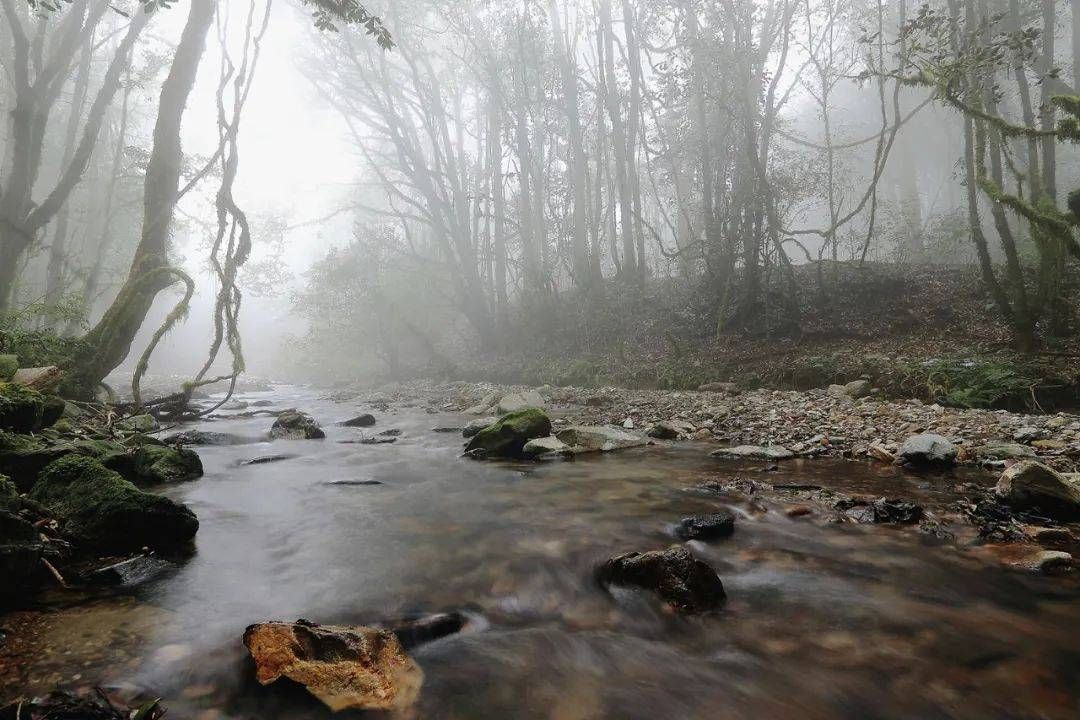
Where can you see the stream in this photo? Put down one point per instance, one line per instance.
(822, 620)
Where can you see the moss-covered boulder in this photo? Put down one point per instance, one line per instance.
(21, 409)
(104, 512)
(23, 457)
(507, 436)
(161, 464)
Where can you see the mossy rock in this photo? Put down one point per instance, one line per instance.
(8, 365)
(104, 512)
(23, 457)
(52, 411)
(21, 409)
(154, 464)
(507, 436)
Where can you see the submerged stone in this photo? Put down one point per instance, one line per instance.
(684, 582)
(362, 420)
(102, 510)
(707, 527)
(345, 667)
(506, 437)
(755, 452)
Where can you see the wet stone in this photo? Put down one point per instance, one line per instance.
(675, 575)
(707, 527)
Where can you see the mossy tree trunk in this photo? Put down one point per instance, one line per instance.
(109, 342)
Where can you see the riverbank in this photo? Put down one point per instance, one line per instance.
(827, 422)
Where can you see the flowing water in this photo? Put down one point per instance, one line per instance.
(822, 621)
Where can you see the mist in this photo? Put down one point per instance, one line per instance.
(631, 253)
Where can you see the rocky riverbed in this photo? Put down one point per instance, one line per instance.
(828, 422)
(655, 553)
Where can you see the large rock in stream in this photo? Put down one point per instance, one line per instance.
(927, 449)
(296, 425)
(598, 438)
(344, 667)
(684, 582)
(506, 437)
(104, 512)
(1030, 485)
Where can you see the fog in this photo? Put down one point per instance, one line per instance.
(543, 359)
(429, 185)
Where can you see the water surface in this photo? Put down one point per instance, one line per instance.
(823, 620)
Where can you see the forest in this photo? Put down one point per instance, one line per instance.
(528, 347)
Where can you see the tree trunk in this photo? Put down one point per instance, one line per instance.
(109, 342)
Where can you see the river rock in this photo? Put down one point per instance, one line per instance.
(428, 628)
(345, 667)
(1030, 485)
(362, 420)
(102, 510)
(475, 426)
(598, 438)
(485, 405)
(154, 464)
(997, 451)
(755, 452)
(927, 449)
(519, 401)
(549, 446)
(669, 430)
(296, 426)
(880, 510)
(684, 582)
(719, 524)
(506, 437)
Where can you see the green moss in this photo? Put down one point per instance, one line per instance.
(508, 435)
(102, 510)
(8, 365)
(21, 409)
(22, 457)
(160, 464)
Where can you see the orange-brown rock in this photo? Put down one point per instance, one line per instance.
(345, 667)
